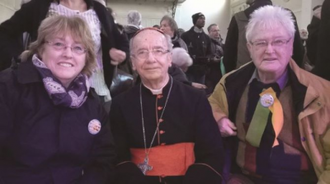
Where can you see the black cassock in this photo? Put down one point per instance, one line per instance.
(187, 120)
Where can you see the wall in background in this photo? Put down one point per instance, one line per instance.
(8, 8)
(151, 12)
(215, 11)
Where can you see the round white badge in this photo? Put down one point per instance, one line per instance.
(267, 100)
(94, 126)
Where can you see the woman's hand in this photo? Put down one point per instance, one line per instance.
(117, 56)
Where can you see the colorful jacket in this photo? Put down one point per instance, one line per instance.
(312, 104)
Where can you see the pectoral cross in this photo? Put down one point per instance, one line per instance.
(144, 166)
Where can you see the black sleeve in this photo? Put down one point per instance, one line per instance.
(230, 48)
(8, 96)
(208, 149)
(312, 40)
(11, 34)
(100, 169)
(322, 64)
(177, 74)
(121, 40)
(209, 52)
(298, 48)
(114, 37)
(126, 171)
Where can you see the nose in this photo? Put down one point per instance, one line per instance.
(269, 48)
(67, 51)
(151, 57)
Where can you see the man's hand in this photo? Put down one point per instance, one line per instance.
(117, 56)
(226, 127)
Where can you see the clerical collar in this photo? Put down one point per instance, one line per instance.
(282, 81)
(198, 30)
(156, 91)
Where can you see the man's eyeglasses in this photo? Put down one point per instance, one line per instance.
(75, 48)
(275, 43)
(144, 54)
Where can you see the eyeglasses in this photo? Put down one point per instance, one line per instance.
(275, 43)
(75, 48)
(143, 54)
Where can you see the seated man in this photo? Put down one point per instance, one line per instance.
(164, 130)
(274, 115)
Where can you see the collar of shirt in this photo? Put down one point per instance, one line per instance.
(198, 30)
(282, 81)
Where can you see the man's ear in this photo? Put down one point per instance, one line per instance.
(133, 63)
(249, 46)
(170, 59)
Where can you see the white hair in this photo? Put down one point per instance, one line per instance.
(181, 58)
(134, 18)
(269, 17)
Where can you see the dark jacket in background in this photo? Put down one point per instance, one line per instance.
(312, 40)
(199, 49)
(130, 31)
(28, 19)
(178, 42)
(322, 64)
(44, 143)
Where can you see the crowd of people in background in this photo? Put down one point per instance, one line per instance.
(84, 99)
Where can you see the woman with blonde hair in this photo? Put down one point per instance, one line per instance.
(110, 46)
(53, 128)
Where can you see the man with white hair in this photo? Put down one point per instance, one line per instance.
(273, 115)
(134, 20)
(164, 130)
(236, 53)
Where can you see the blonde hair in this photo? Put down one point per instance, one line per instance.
(62, 25)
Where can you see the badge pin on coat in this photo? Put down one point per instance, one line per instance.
(94, 126)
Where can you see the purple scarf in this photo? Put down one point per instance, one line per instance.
(73, 97)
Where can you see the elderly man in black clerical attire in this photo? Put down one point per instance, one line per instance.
(164, 130)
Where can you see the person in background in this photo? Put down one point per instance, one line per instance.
(236, 52)
(181, 62)
(169, 27)
(134, 20)
(214, 74)
(199, 49)
(273, 115)
(110, 48)
(313, 35)
(216, 44)
(304, 36)
(53, 128)
(180, 31)
(164, 129)
(156, 26)
(181, 58)
(322, 54)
